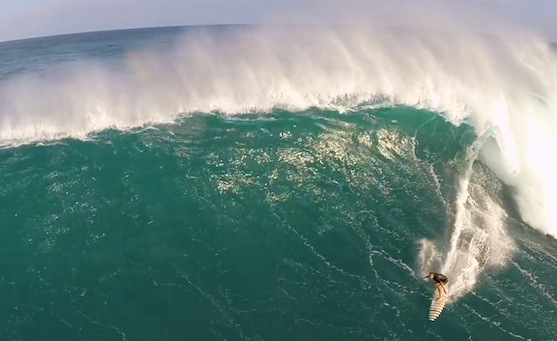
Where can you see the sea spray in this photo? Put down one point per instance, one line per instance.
(478, 237)
(505, 84)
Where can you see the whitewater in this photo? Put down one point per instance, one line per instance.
(503, 86)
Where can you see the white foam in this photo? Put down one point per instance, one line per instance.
(479, 239)
(509, 86)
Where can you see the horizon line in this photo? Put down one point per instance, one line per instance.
(115, 30)
(77, 33)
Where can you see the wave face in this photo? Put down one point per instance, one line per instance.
(253, 184)
(506, 87)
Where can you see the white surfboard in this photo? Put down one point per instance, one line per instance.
(437, 305)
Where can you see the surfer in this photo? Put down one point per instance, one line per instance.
(441, 280)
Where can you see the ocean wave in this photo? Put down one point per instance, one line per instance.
(503, 86)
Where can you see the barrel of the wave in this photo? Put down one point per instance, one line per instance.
(437, 304)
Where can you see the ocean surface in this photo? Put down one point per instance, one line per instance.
(243, 183)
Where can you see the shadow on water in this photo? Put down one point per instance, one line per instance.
(507, 194)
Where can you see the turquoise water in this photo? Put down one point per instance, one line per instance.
(284, 225)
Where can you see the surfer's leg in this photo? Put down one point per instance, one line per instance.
(438, 291)
(444, 289)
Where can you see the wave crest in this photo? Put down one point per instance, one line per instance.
(506, 86)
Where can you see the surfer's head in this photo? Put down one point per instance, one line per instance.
(430, 275)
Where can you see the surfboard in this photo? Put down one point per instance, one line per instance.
(437, 305)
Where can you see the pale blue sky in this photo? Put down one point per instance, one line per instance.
(31, 18)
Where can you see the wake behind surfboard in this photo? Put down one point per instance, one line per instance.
(437, 305)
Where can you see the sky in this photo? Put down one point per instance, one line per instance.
(33, 18)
